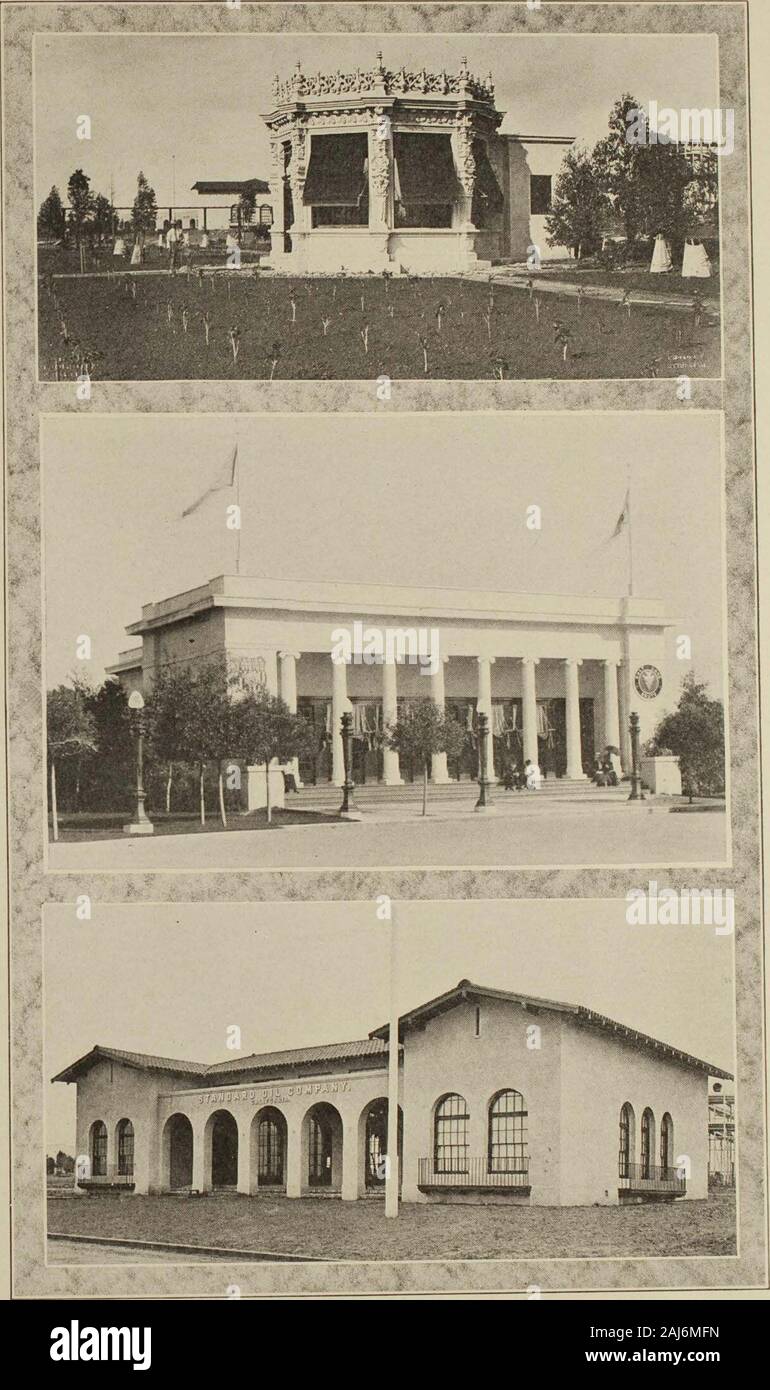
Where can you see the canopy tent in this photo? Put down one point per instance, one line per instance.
(425, 168)
(337, 174)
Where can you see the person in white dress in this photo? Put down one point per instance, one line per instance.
(695, 262)
(532, 775)
(119, 249)
(661, 256)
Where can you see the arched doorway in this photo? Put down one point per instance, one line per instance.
(374, 1123)
(222, 1134)
(271, 1138)
(323, 1148)
(177, 1153)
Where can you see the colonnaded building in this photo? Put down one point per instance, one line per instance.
(556, 675)
(502, 1097)
(384, 170)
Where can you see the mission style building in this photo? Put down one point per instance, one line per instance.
(557, 675)
(502, 1097)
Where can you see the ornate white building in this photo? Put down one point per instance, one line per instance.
(387, 171)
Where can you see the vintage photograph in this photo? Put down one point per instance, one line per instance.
(365, 206)
(282, 641)
(545, 1108)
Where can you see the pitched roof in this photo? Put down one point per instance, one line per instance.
(465, 990)
(257, 1062)
(139, 1061)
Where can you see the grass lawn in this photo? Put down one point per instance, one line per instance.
(338, 1230)
(353, 328)
(108, 825)
(635, 278)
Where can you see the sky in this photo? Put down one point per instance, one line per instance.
(425, 500)
(184, 108)
(170, 978)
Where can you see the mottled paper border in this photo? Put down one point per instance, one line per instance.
(31, 888)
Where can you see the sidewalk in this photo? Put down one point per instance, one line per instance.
(519, 278)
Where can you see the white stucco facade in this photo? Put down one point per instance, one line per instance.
(502, 1097)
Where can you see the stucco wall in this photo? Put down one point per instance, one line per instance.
(448, 1057)
(111, 1092)
(600, 1074)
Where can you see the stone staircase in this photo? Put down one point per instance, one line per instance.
(326, 797)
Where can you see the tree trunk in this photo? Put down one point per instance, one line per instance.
(425, 788)
(203, 796)
(54, 811)
(268, 807)
(168, 788)
(222, 810)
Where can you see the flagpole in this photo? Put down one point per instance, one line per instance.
(237, 472)
(391, 1170)
(630, 537)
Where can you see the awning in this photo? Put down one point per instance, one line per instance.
(337, 172)
(425, 169)
(487, 186)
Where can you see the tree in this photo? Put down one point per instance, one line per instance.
(50, 1166)
(422, 730)
(144, 214)
(103, 217)
(265, 730)
(579, 205)
(70, 730)
(695, 734)
(81, 202)
(616, 160)
(51, 219)
(189, 719)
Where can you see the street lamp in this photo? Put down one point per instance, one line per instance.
(348, 810)
(484, 802)
(141, 824)
(636, 793)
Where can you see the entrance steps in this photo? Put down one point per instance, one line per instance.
(325, 796)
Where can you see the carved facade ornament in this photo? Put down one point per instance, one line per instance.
(380, 159)
(464, 156)
(380, 80)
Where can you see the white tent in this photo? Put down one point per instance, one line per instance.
(661, 256)
(695, 263)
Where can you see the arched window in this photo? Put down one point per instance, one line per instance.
(98, 1149)
(648, 1142)
(666, 1142)
(507, 1142)
(125, 1149)
(271, 1147)
(450, 1135)
(626, 1145)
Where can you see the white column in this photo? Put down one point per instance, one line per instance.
(391, 770)
(349, 1189)
(243, 1182)
(484, 706)
(201, 1180)
(340, 704)
(438, 766)
(611, 709)
(529, 707)
(288, 678)
(294, 1156)
(572, 690)
(625, 711)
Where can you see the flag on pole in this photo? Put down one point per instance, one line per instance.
(225, 478)
(623, 519)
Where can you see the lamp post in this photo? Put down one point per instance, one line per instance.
(348, 809)
(484, 802)
(141, 824)
(636, 793)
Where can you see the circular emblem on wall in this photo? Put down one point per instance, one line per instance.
(648, 682)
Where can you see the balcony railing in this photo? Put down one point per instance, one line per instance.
(474, 1174)
(651, 1177)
